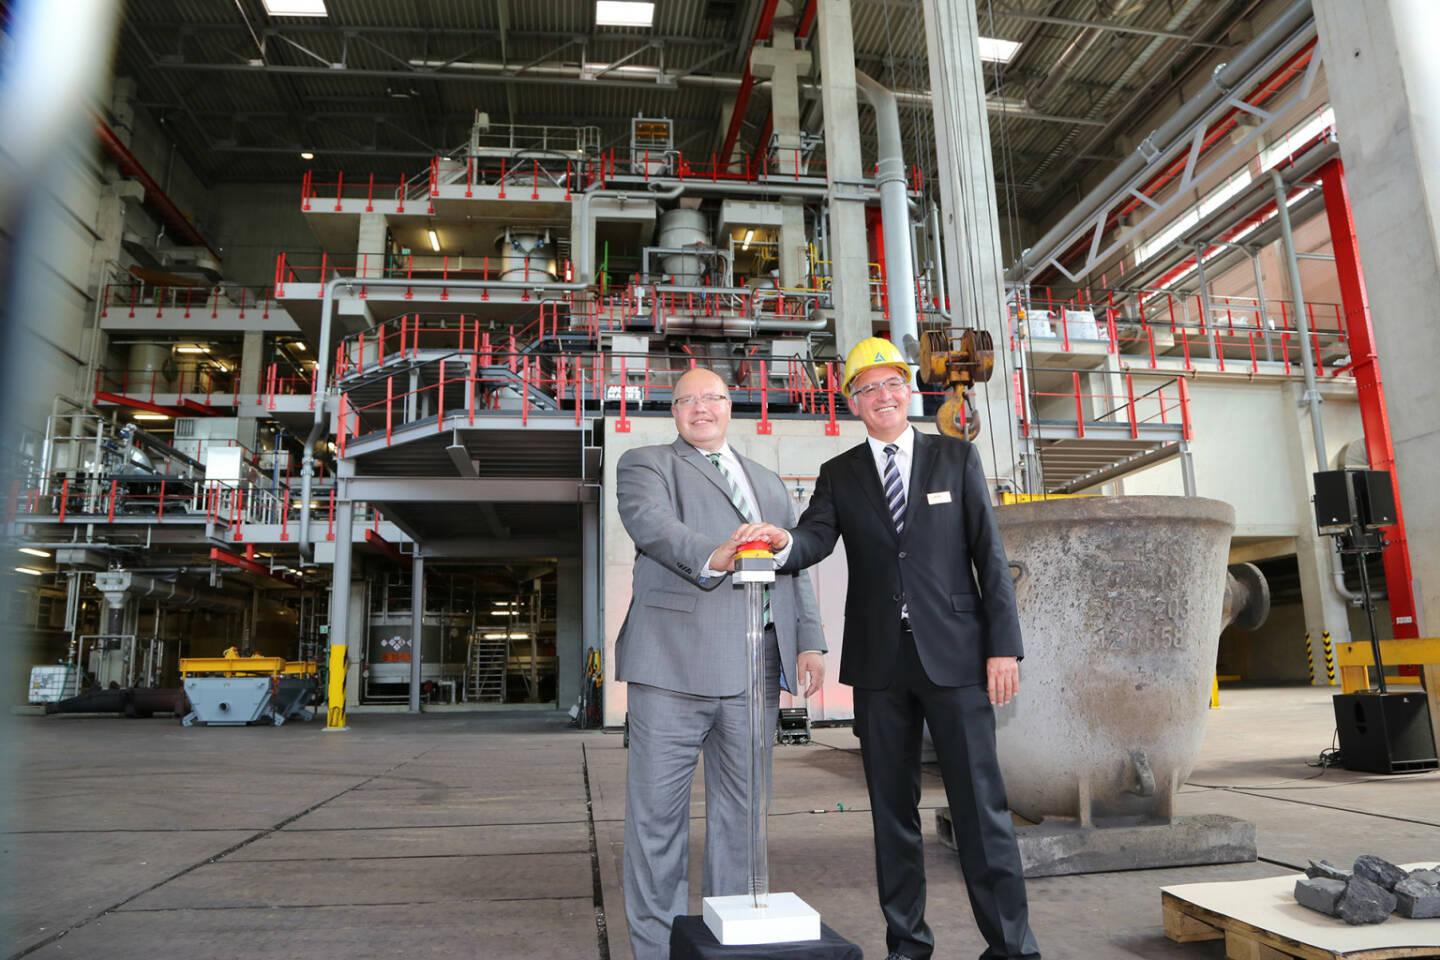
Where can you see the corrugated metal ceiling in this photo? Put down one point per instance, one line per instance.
(352, 86)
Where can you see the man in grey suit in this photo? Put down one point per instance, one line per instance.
(682, 650)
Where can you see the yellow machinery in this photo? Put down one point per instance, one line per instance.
(957, 361)
(232, 690)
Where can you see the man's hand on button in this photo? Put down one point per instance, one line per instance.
(771, 534)
(1002, 679)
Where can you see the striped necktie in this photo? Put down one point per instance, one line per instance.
(743, 505)
(894, 489)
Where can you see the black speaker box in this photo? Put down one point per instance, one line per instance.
(1385, 732)
(1374, 497)
(1334, 500)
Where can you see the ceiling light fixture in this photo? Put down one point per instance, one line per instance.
(997, 51)
(296, 8)
(151, 416)
(749, 235)
(192, 349)
(306, 155)
(519, 636)
(494, 636)
(34, 552)
(434, 241)
(30, 571)
(623, 13)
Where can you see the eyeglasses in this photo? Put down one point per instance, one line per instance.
(892, 385)
(709, 400)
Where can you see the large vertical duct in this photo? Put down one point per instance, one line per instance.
(895, 217)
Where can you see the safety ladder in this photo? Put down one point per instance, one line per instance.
(485, 671)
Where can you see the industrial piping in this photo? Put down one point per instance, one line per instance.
(895, 217)
(1292, 21)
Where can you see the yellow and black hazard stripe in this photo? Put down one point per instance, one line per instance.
(1329, 657)
(1310, 658)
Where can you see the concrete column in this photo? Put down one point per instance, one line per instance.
(339, 658)
(370, 246)
(417, 623)
(582, 240)
(969, 220)
(1384, 84)
(569, 619)
(1325, 610)
(591, 607)
(252, 364)
(782, 64)
(849, 254)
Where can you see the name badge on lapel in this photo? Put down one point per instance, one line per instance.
(937, 496)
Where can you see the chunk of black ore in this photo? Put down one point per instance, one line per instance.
(1327, 870)
(1378, 871)
(1364, 902)
(1417, 900)
(1431, 878)
(1320, 893)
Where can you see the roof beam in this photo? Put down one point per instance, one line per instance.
(1109, 25)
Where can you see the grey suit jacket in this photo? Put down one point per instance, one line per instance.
(684, 632)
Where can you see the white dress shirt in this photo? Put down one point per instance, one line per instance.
(903, 457)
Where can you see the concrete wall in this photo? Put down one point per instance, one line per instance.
(252, 223)
(58, 240)
(1242, 453)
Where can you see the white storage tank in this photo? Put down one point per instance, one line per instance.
(682, 228)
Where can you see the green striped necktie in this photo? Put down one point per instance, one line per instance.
(743, 505)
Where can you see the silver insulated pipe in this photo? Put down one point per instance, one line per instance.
(895, 217)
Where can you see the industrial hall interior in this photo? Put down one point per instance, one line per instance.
(358, 522)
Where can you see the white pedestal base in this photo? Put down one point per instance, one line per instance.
(785, 917)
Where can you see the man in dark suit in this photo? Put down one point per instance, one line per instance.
(682, 650)
(931, 636)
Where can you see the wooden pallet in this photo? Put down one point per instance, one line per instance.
(1259, 920)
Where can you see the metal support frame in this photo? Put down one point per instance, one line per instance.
(1370, 389)
(1181, 140)
(417, 620)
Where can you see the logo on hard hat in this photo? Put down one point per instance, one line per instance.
(879, 357)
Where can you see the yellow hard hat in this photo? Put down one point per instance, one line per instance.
(873, 352)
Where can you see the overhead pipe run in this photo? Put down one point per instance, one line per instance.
(1293, 21)
(1312, 398)
(650, 78)
(895, 217)
(120, 585)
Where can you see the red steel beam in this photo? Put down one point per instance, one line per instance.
(384, 546)
(747, 82)
(225, 556)
(1263, 92)
(1366, 369)
(807, 20)
(195, 406)
(102, 396)
(154, 195)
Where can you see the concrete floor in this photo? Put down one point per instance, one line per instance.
(499, 835)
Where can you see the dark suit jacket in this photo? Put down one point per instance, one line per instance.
(949, 566)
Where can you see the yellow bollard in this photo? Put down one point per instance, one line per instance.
(335, 714)
(1215, 692)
